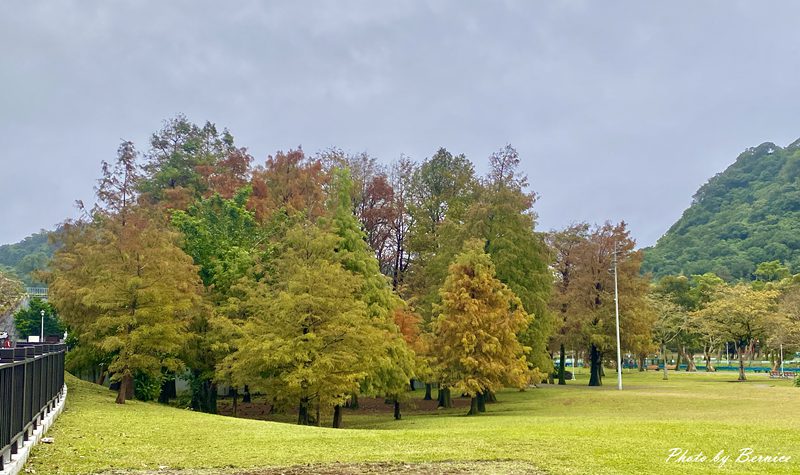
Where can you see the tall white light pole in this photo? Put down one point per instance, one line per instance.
(41, 335)
(574, 365)
(782, 372)
(616, 304)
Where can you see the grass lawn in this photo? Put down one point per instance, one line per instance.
(554, 429)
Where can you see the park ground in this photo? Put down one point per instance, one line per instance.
(552, 429)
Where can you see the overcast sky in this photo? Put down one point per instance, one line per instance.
(620, 110)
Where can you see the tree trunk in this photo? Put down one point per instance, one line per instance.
(204, 396)
(235, 402)
(641, 363)
(678, 359)
(411, 383)
(444, 398)
(489, 396)
(481, 402)
(596, 360)
(337, 416)
(664, 354)
(740, 351)
(246, 398)
(168, 390)
(302, 412)
(707, 356)
(562, 362)
(473, 407)
(397, 409)
(428, 387)
(125, 389)
(101, 380)
(690, 366)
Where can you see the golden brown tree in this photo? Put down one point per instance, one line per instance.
(590, 295)
(288, 181)
(476, 330)
(127, 291)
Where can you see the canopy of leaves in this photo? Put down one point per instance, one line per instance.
(742, 314)
(585, 288)
(181, 158)
(746, 215)
(476, 330)
(502, 216)
(222, 237)
(127, 291)
(310, 337)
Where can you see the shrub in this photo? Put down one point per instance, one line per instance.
(146, 387)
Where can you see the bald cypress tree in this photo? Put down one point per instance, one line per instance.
(476, 330)
(394, 364)
(122, 284)
(503, 217)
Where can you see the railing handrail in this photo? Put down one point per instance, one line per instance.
(31, 381)
(37, 291)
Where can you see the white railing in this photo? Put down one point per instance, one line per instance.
(40, 292)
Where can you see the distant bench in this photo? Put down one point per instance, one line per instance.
(779, 375)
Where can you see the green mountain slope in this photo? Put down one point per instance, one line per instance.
(748, 214)
(27, 256)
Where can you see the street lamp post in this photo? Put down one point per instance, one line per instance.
(41, 335)
(616, 305)
(782, 372)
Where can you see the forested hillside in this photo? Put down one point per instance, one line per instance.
(27, 256)
(748, 214)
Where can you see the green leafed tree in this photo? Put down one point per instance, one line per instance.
(442, 189)
(742, 315)
(182, 158)
(394, 364)
(28, 321)
(227, 244)
(502, 216)
(311, 340)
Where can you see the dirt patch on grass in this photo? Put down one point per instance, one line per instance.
(449, 468)
(261, 410)
(510, 467)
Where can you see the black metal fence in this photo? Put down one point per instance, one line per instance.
(31, 379)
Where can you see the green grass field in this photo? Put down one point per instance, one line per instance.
(557, 429)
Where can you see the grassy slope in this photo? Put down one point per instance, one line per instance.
(572, 429)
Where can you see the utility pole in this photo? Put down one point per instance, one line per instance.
(41, 335)
(616, 305)
(574, 365)
(782, 372)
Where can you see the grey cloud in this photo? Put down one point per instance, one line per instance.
(620, 110)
